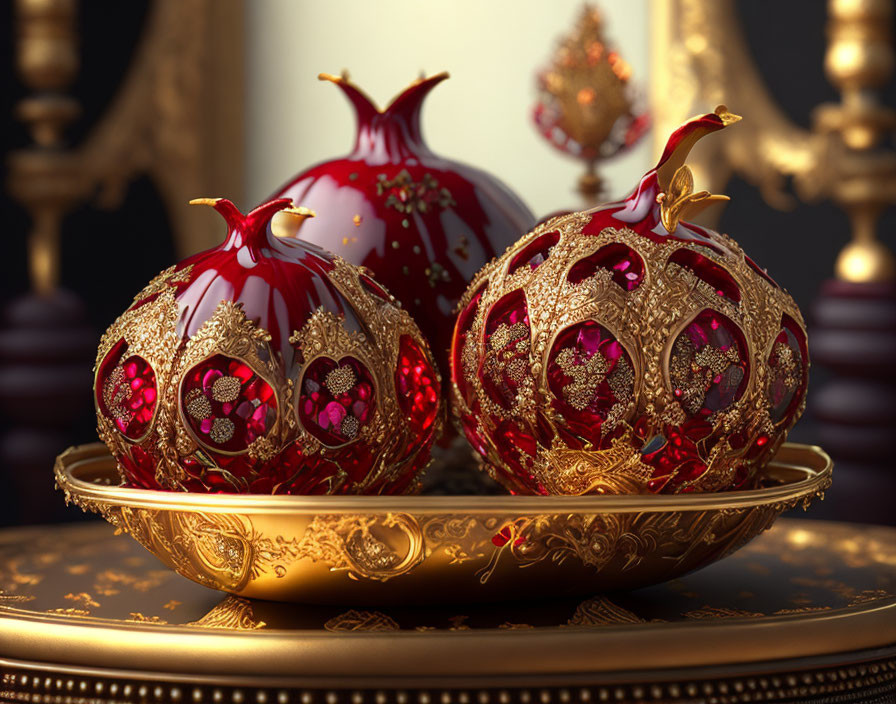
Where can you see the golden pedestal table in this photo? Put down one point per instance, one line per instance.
(805, 612)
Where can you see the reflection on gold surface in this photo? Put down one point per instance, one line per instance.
(714, 613)
(600, 611)
(233, 613)
(361, 621)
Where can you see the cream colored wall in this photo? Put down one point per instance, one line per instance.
(492, 48)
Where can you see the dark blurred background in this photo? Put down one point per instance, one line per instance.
(108, 254)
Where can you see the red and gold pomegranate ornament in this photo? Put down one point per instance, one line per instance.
(267, 365)
(623, 350)
(424, 225)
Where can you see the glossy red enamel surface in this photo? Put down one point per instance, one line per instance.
(424, 225)
(278, 282)
(624, 264)
(226, 405)
(589, 373)
(417, 386)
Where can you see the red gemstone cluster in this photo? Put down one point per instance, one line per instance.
(266, 365)
(623, 350)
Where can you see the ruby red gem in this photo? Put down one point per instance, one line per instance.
(417, 387)
(787, 371)
(583, 387)
(505, 363)
(710, 329)
(534, 254)
(226, 404)
(139, 468)
(337, 399)
(624, 264)
(704, 268)
(126, 391)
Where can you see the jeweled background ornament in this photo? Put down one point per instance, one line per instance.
(266, 365)
(623, 350)
(423, 224)
(587, 106)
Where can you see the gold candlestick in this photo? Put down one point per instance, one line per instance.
(41, 176)
(701, 58)
(859, 58)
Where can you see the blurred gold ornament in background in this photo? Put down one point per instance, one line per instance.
(859, 58)
(587, 106)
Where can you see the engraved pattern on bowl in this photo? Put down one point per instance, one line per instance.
(427, 549)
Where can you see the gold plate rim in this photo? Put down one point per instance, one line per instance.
(803, 470)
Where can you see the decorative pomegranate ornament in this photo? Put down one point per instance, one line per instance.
(422, 224)
(266, 365)
(621, 350)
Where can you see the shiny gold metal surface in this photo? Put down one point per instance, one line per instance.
(88, 614)
(431, 549)
(701, 58)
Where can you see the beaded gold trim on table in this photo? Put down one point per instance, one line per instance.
(860, 682)
(423, 549)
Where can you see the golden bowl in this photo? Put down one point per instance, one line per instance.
(380, 550)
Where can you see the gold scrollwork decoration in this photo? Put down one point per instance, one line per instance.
(646, 322)
(253, 552)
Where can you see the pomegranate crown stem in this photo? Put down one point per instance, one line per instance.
(253, 225)
(674, 179)
(685, 137)
(404, 107)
